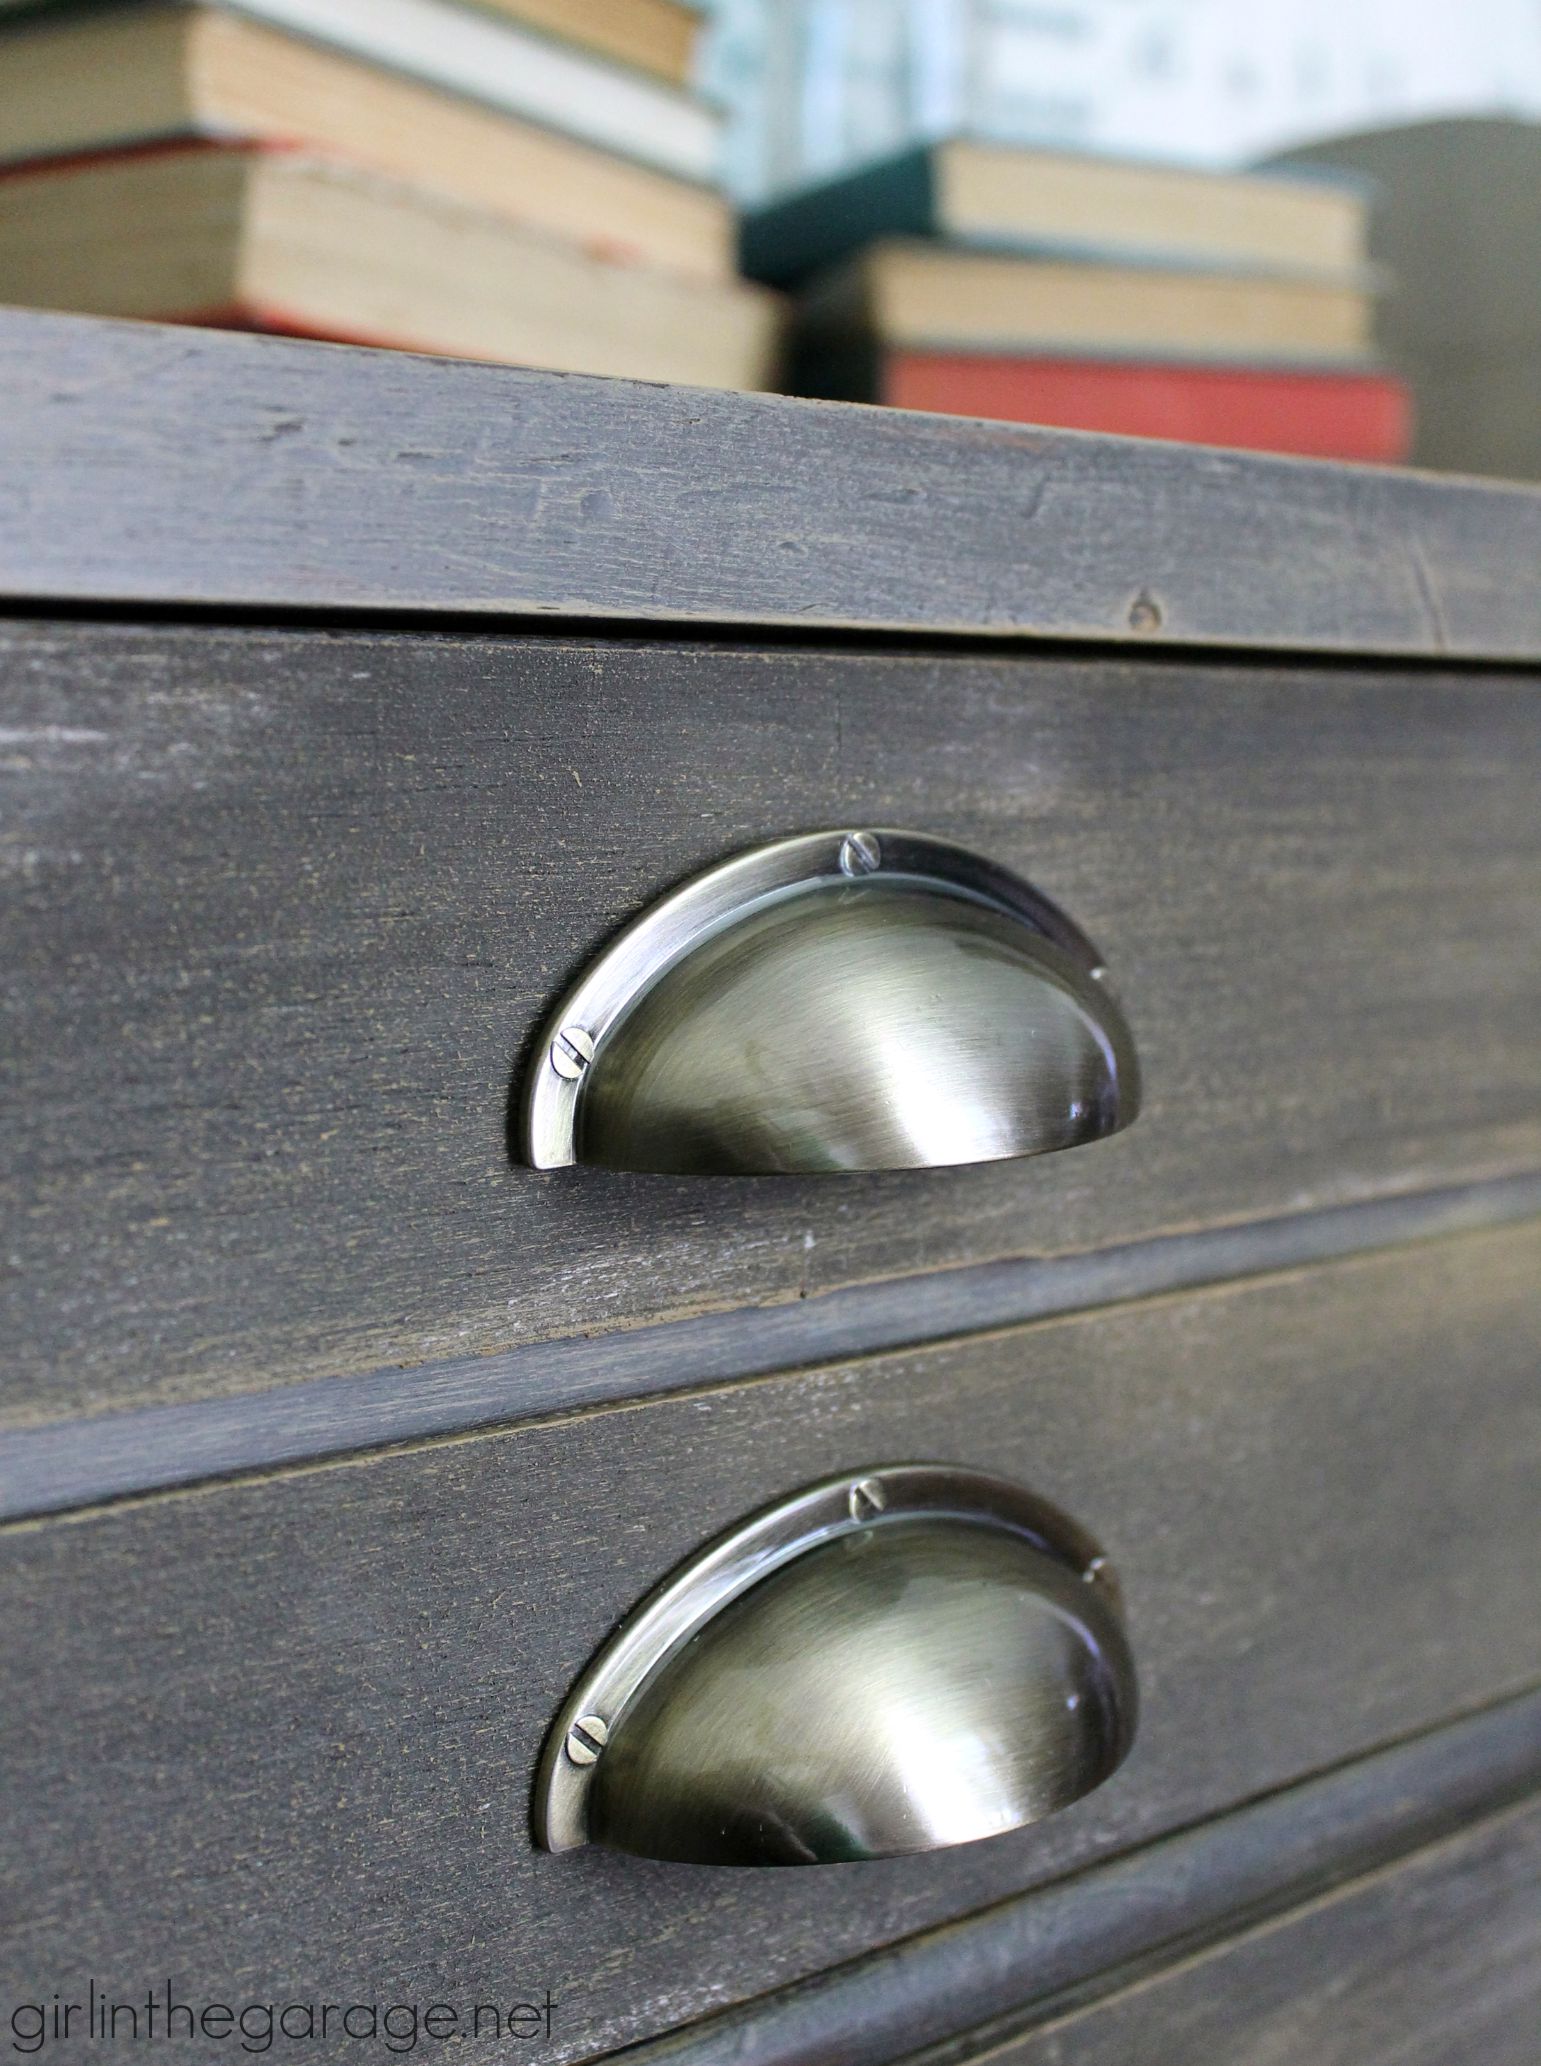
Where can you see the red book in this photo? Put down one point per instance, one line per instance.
(1322, 414)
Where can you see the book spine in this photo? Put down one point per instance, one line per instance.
(785, 241)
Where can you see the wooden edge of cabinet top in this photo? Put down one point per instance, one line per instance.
(147, 465)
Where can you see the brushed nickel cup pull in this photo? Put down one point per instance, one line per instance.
(899, 1660)
(856, 1000)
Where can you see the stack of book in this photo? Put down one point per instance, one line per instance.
(1095, 293)
(524, 180)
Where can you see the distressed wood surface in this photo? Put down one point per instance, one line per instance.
(282, 910)
(60, 1464)
(267, 473)
(1435, 1959)
(1010, 1964)
(284, 1729)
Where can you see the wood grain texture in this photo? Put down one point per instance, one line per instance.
(283, 909)
(285, 1729)
(956, 1989)
(267, 473)
(60, 1464)
(1435, 1959)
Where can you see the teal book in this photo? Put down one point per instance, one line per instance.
(788, 239)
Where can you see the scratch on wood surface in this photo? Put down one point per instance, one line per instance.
(1423, 580)
(521, 494)
(52, 735)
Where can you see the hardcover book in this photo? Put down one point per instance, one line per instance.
(937, 296)
(273, 239)
(997, 195)
(1358, 414)
(657, 36)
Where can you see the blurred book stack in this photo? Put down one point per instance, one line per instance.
(525, 180)
(1044, 287)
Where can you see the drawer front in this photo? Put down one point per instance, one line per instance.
(313, 1700)
(1436, 1959)
(284, 909)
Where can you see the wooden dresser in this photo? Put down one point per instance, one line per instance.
(351, 702)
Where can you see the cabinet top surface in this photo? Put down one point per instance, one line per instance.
(150, 466)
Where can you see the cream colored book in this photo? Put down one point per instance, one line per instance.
(1014, 197)
(71, 83)
(492, 56)
(657, 36)
(915, 294)
(278, 240)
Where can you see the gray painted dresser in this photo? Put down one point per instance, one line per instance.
(348, 703)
